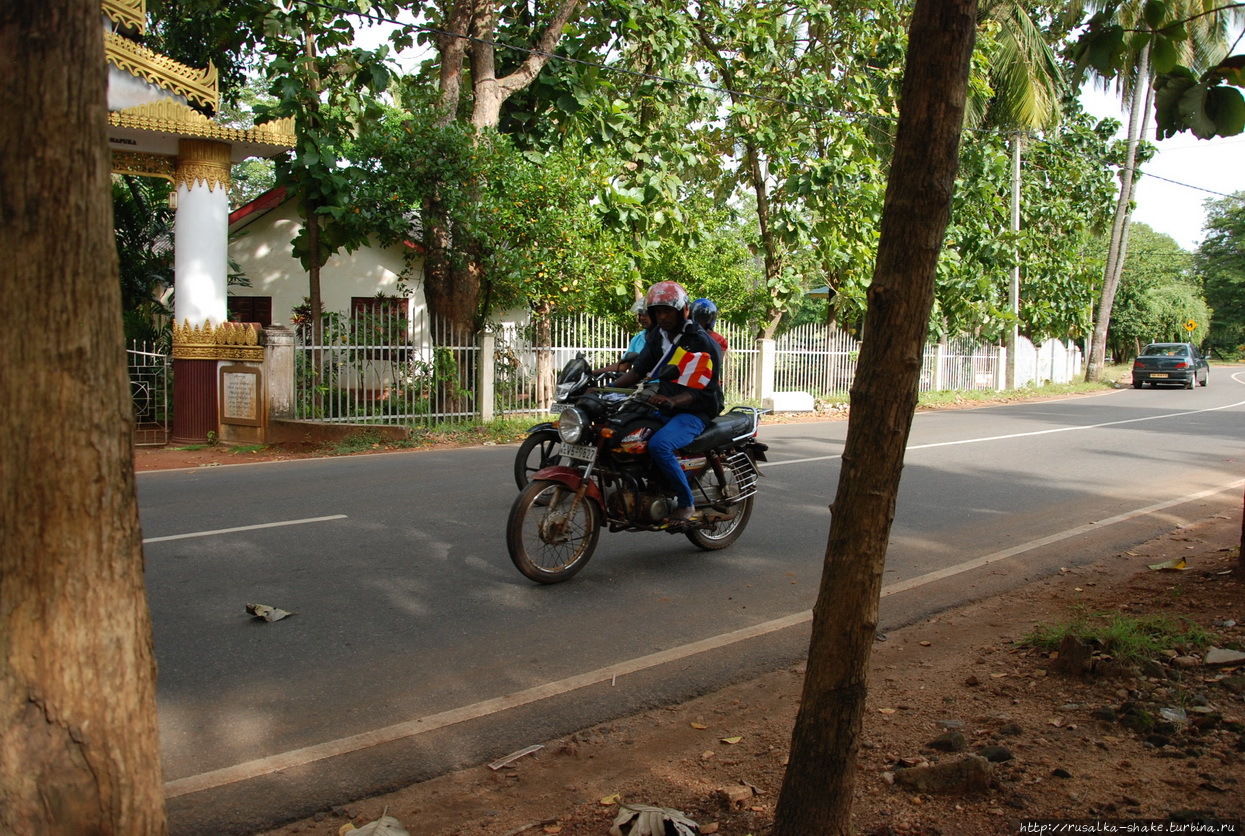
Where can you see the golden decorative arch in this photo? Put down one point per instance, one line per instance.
(196, 85)
(167, 116)
(128, 13)
(144, 165)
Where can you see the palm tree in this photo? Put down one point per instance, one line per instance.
(1204, 43)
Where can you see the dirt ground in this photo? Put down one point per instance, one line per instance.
(1164, 742)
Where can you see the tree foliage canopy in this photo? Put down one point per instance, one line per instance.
(1220, 263)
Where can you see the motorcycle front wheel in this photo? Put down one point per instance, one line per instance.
(549, 536)
(538, 451)
(721, 534)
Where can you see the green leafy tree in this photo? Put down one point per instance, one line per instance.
(251, 177)
(1220, 263)
(1158, 296)
(317, 76)
(476, 75)
(797, 86)
(143, 230)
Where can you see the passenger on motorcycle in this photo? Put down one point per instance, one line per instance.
(706, 315)
(640, 310)
(690, 401)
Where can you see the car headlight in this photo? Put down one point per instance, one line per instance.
(571, 425)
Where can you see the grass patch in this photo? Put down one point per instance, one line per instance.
(1126, 638)
(451, 434)
(933, 400)
(497, 431)
(251, 448)
(356, 442)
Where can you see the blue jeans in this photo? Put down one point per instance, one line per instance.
(679, 430)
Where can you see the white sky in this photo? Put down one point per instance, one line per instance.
(1199, 168)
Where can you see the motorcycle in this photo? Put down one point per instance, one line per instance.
(610, 482)
(540, 448)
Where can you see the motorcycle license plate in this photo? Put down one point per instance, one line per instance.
(578, 451)
(1158, 374)
(559, 407)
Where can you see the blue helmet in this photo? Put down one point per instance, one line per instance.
(704, 313)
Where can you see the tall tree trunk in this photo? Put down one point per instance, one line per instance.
(1119, 226)
(816, 794)
(542, 339)
(454, 271)
(80, 753)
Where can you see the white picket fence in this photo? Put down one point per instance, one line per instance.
(411, 375)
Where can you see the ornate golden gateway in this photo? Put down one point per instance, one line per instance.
(162, 71)
(130, 13)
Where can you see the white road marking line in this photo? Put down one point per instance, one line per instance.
(214, 532)
(1020, 435)
(322, 751)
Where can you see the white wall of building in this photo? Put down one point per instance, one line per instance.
(262, 247)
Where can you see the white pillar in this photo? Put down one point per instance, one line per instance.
(201, 231)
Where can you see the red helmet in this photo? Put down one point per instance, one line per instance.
(667, 294)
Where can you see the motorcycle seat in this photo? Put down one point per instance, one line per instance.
(721, 430)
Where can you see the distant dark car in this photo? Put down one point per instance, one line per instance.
(1178, 363)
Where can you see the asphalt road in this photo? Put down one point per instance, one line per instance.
(416, 647)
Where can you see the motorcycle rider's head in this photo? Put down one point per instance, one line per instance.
(667, 304)
(704, 313)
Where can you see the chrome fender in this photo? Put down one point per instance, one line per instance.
(572, 478)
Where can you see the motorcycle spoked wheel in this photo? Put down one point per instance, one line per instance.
(547, 542)
(538, 451)
(721, 534)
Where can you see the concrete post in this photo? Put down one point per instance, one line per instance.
(1000, 371)
(487, 364)
(279, 365)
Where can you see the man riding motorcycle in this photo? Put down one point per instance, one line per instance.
(688, 402)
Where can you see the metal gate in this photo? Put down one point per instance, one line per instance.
(151, 373)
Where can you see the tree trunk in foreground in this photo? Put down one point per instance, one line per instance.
(816, 796)
(77, 673)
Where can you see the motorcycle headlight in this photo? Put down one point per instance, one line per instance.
(571, 425)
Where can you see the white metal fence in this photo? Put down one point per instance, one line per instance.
(384, 368)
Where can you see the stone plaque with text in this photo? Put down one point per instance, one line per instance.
(241, 396)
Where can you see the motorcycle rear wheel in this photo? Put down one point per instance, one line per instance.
(722, 534)
(538, 451)
(547, 543)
